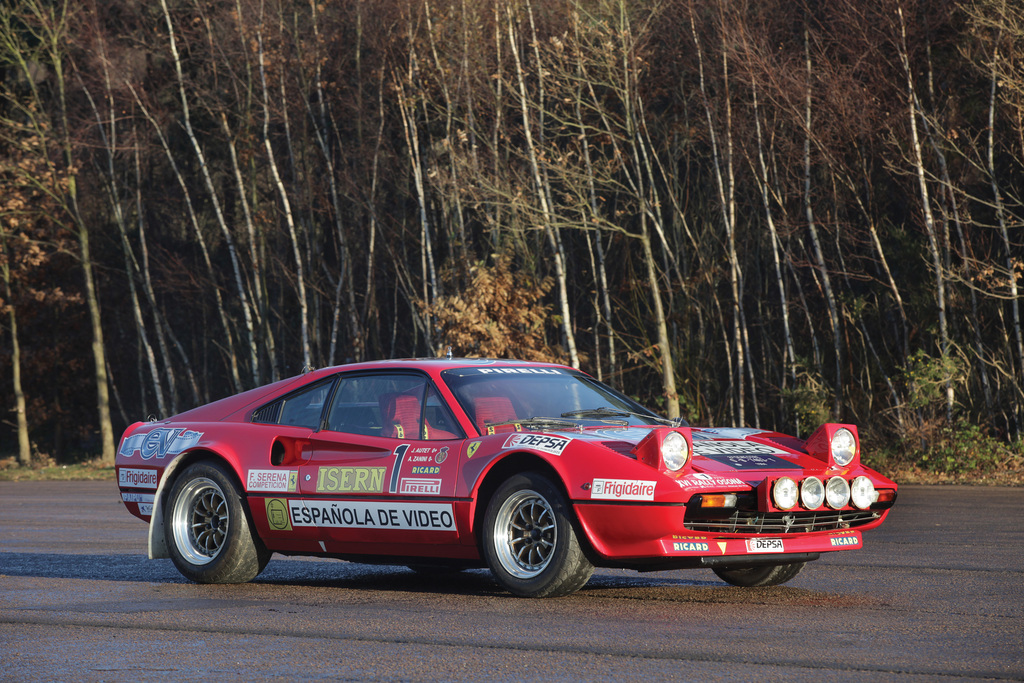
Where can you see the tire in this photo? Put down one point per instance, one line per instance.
(530, 541)
(752, 577)
(208, 531)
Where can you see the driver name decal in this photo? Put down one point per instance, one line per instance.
(272, 480)
(538, 442)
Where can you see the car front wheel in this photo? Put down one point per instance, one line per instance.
(530, 542)
(752, 577)
(208, 532)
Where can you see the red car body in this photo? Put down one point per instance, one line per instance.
(534, 470)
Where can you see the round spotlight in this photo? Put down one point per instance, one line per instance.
(674, 452)
(784, 493)
(837, 493)
(812, 493)
(844, 447)
(863, 493)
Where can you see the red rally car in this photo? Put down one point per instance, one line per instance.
(534, 470)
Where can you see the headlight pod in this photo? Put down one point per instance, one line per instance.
(785, 493)
(674, 451)
(863, 493)
(665, 449)
(837, 493)
(843, 446)
(812, 493)
(837, 445)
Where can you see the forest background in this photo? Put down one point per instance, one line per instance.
(765, 213)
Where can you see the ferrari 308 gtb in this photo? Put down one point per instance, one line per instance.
(534, 470)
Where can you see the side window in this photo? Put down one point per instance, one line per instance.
(304, 408)
(440, 423)
(393, 406)
(379, 405)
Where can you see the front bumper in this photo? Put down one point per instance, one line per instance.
(636, 535)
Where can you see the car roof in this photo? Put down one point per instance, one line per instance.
(432, 365)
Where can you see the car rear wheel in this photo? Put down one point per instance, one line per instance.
(751, 577)
(530, 542)
(208, 531)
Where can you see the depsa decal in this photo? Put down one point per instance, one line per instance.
(538, 442)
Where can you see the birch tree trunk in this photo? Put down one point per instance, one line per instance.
(20, 409)
(542, 195)
(926, 205)
(286, 207)
(51, 35)
(833, 309)
(724, 183)
(1011, 273)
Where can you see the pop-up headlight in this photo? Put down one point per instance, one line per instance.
(836, 444)
(665, 449)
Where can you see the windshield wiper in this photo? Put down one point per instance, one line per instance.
(599, 412)
(604, 411)
(536, 422)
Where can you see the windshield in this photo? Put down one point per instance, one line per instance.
(500, 395)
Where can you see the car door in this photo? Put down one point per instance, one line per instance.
(383, 467)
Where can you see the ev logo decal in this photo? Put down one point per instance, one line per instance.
(160, 442)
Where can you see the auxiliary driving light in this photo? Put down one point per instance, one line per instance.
(863, 493)
(812, 493)
(785, 493)
(837, 493)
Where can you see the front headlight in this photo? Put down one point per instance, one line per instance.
(674, 452)
(837, 493)
(844, 447)
(784, 493)
(812, 493)
(863, 493)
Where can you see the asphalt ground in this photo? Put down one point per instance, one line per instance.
(937, 594)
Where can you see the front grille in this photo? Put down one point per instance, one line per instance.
(752, 522)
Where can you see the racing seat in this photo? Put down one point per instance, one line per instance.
(400, 416)
(494, 409)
